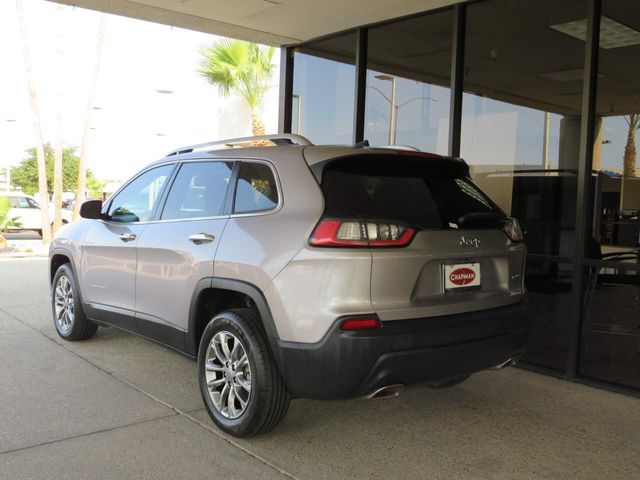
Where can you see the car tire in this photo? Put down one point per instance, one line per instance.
(240, 412)
(449, 382)
(68, 315)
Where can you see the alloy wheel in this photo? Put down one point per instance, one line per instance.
(228, 375)
(64, 304)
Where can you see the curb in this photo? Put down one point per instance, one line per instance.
(11, 255)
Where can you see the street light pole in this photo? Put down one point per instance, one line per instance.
(393, 117)
(545, 141)
(394, 113)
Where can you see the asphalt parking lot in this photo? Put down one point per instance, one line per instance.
(117, 406)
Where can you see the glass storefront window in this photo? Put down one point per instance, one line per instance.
(408, 77)
(610, 342)
(550, 286)
(521, 114)
(324, 90)
(521, 138)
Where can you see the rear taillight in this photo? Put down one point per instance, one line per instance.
(512, 230)
(360, 233)
(360, 323)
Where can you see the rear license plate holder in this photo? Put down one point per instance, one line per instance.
(461, 277)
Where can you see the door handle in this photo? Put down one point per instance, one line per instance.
(128, 237)
(200, 238)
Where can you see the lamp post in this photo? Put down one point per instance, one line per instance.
(7, 168)
(545, 141)
(161, 128)
(393, 111)
(394, 107)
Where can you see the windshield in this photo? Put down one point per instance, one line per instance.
(421, 194)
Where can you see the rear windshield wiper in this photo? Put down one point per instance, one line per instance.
(474, 217)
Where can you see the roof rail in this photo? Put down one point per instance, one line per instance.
(277, 138)
(408, 148)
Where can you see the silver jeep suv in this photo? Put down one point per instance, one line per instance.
(297, 270)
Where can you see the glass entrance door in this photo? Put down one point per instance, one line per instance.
(610, 340)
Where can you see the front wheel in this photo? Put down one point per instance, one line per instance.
(238, 377)
(68, 315)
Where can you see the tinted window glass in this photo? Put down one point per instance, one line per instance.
(407, 84)
(324, 82)
(420, 193)
(521, 113)
(256, 189)
(136, 202)
(198, 191)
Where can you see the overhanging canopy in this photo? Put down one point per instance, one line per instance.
(273, 22)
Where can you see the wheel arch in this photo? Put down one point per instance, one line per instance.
(206, 287)
(57, 258)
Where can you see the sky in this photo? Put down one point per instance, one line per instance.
(132, 124)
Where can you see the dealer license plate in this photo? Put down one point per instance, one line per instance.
(461, 276)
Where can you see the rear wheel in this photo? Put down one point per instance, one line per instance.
(68, 315)
(239, 380)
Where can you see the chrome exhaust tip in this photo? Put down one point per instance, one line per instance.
(509, 363)
(386, 391)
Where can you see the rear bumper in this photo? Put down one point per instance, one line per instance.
(351, 364)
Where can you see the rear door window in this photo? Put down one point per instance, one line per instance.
(422, 194)
(256, 190)
(199, 191)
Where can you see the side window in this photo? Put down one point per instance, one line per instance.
(198, 191)
(31, 203)
(19, 202)
(256, 190)
(135, 203)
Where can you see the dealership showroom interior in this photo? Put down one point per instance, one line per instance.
(320, 239)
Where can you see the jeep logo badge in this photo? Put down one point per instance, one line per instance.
(469, 242)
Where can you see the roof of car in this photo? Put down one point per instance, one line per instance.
(312, 153)
(251, 148)
(15, 194)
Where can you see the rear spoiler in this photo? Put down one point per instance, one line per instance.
(453, 166)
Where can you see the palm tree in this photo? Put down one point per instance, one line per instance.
(84, 148)
(57, 168)
(242, 67)
(633, 121)
(37, 129)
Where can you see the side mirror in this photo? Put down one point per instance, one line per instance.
(91, 209)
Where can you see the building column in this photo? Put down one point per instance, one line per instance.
(569, 147)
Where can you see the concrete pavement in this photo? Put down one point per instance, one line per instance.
(118, 406)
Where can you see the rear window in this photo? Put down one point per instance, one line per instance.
(423, 194)
(256, 190)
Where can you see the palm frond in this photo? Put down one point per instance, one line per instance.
(236, 65)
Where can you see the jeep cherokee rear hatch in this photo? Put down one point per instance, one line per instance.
(439, 245)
